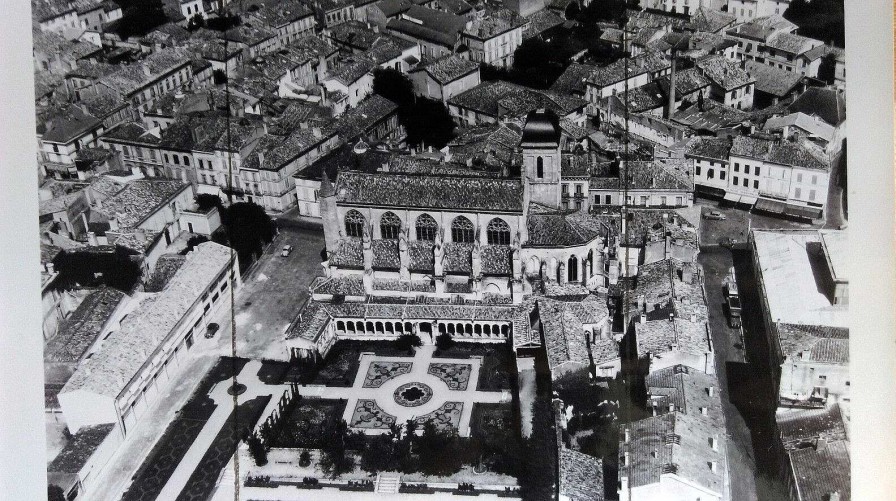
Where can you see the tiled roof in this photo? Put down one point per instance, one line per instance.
(811, 125)
(492, 145)
(581, 476)
(430, 25)
(818, 472)
(448, 193)
(352, 69)
(166, 266)
(659, 337)
(562, 229)
(689, 390)
(791, 43)
(772, 80)
(815, 342)
(709, 147)
(799, 427)
(686, 82)
(710, 20)
(564, 334)
(391, 8)
(78, 332)
(127, 79)
(448, 68)
(139, 199)
(762, 28)
(123, 353)
(572, 80)
(780, 152)
(68, 123)
(278, 151)
(493, 23)
(724, 73)
(498, 98)
(134, 132)
(281, 12)
(616, 72)
(78, 450)
(676, 444)
(350, 285)
(713, 117)
(541, 21)
(358, 121)
(829, 104)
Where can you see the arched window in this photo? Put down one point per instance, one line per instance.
(390, 226)
(462, 230)
(498, 232)
(426, 228)
(539, 167)
(354, 224)
(572, 269)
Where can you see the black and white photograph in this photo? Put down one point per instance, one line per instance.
(572, 250)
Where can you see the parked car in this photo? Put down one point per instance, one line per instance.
(287, 249)
(714, 214)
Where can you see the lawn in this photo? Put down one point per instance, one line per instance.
(498, 370)
(308, 424)
(340, 366)
(202, 481)
(160, 463)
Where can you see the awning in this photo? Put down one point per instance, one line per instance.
(731, 197)
(708, 191)
(747, 199)
(802, 211)
(773, 206)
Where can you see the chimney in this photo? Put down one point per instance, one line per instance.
(714, 466)
(693, 318)
(711, 391)
(821, 444)
(834, 496)
(628, 435)
(671, 407)
(704, 411)
(260, 159)
(714, 443)
(51, 267)
(670, 108)
(627, 459)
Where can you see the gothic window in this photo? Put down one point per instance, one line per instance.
(390, 226)
(462, 230)
(498, 232)
(572, 269)
(354, 224)
(426, 228)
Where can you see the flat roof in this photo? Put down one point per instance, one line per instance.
(789, 265)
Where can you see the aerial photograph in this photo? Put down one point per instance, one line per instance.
(325, 250)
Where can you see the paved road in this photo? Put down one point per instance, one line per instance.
(274, 291)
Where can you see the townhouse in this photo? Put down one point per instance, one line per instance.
(493, 36)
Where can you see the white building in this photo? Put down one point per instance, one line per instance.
(131, 368)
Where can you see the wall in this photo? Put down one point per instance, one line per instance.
(799, 378)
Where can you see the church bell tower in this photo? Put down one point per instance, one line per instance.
(541, 157)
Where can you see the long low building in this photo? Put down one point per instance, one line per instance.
(128, 371)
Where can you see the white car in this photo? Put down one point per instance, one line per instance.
(286, 250)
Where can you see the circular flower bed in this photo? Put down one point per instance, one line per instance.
(413, 394)
(236, 389)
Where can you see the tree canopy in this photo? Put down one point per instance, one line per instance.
(819, 19)
(427, 121)
(119, 268)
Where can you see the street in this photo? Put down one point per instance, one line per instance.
(273, 291)
(741, 359)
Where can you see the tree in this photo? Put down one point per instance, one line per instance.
(604, 10)
(444, 341)
(257, 450)
(139, 17)
(304, 458)
(193, 242)
(427, 121)
(819, 19)
(407, 342)
(208, 201)
(335, 459)
(827, 68)
(248, 227)
(55, 493)
(196, 22)
(119, 268)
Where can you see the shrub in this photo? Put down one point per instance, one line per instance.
(304, 458)
(444, 341)
(257, 450)
(407, 342)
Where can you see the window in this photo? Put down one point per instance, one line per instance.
(796, 193)
(722, 174)
(426, 228)
(755, 184)
(498, 232)
(710, 174)
(799, 177)
(735, 180)
(462, 230)
(390, 226)
(811, 194)
(176, 159)
(814, 179)
(187, 161)
(697, 171)
(539, 167)
(746, 169)
(608, 199)
(354, 224)
(736, 167)
(756, 171)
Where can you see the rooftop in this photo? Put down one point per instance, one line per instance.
(564, 331)
(498, 99)
(448, 68)
(572, 80)
(119, 359)
(802, 427)
(429, 24)
(495, 22)
(771, 80)
(715, 148)
(421, 191)
(724, 73)
(791, 43)
(820, 471)
(814, 126)
(792, 266)
(581, 476)
(79, 331)
(829, 104)
(139, 199)
(617, 71)
(78, 450)
(784, 152)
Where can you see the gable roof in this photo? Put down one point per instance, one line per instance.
(827, 103)
(771, 80)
